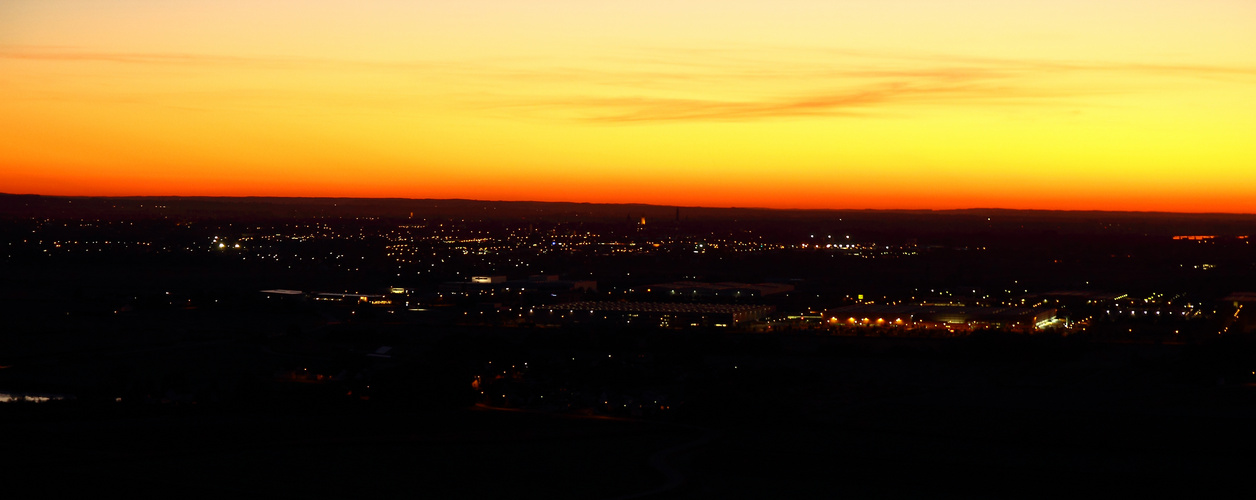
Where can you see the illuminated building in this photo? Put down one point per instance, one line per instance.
(285, 295)
(1023, 319)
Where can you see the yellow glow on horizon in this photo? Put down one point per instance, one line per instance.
(899, 104)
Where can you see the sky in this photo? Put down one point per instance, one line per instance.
(1145, 105)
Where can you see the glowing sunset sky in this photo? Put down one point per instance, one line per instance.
(1062, 104)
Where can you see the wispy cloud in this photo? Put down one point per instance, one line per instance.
(851, 103)
(695, 85)
(728, 85)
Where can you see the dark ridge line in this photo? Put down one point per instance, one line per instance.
(974, 210)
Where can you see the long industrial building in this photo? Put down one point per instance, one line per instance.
(662, 314)
(950, 317)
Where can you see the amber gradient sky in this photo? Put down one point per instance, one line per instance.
(1061, 104)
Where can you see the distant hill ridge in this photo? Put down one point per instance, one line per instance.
(199, 208)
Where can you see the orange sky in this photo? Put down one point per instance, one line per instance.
(1115, 105)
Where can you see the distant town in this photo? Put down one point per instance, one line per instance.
(672, 315)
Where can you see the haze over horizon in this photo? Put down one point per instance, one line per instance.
(902, 104)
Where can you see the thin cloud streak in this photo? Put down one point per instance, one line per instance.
(865, 102)
(694, 85)
(744, 67)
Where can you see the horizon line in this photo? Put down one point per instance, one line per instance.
(970, 209)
